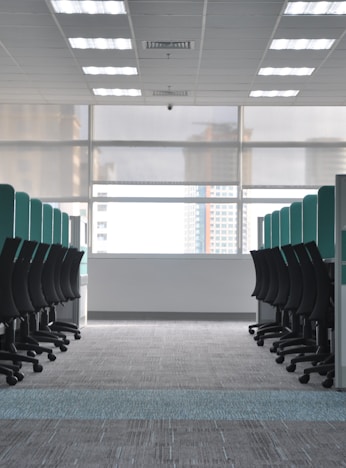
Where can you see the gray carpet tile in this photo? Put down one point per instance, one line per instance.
(169, 394)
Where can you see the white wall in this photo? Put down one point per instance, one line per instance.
(171, 285)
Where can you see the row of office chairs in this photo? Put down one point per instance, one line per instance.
(299, 284)
(34, 279)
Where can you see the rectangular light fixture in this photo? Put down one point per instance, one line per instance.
(302, 44)
(88, 7)
(275, 93)
(286, 71)
(110, 70)
(315, 8)
(100, 43)
(117, 92)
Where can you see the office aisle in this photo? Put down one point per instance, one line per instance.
(170, 394)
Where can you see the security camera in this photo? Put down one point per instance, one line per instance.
(169, 106)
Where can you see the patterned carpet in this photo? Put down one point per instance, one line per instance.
(169, 394)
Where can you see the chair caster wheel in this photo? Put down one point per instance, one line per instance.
(256, 337)
(63, 348)
(260, 342)
(77, 336)
(31, 353)
(19, 376)
(272, 349)
(304, 379)
(327, 383)
(291, 368)
(251, 331)
(11, 380)
(66, 341)
(37, 367)
(280, 359)
(51, 357)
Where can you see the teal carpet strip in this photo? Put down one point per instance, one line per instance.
(172, 404)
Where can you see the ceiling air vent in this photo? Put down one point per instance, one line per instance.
(164, 93)
(176, 45)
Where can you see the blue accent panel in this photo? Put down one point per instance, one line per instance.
(310, 218)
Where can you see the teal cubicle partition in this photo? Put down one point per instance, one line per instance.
(57, 226)
(276, 228)
(326, 221)
(65, 229)
(285, 237)
(267, 231)
(36, 217)
(22, 215)
(310, 218)
(296, 222)
(7, 212)
(47, 224)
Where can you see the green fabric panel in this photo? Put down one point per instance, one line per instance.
(22, 216)
(326, 221)
(276, 228)
(267, 231)
(285, 226)
(310, 218)
(47, 224)
(65, 229)
(57, 220)
(296, 222)
(36, 216)
(7, 212)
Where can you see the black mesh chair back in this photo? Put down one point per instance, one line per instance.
(20, 281)
(273, 286)
(258, 271)
(295, 278)
(35, 277)
(8, 309)
(309, 281)
(74, 275)
(57, 273)
(283, 277)
(65, 274)
(324, 292)
(49, 275)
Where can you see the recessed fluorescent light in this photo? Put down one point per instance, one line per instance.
(110, 70)
(274, 93)
(315, 8)
(286, 71)
(100, 43)
(117, 92)
(300, 44)
(88, 7)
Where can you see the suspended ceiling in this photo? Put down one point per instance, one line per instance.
(231, 42)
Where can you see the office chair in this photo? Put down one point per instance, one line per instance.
(322, 314)
(8, 310)
(20, 287)
(40, 274)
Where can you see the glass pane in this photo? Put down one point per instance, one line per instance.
(45, 171)
(293, 166)
(164, 191)
(198, 166)
(155, 123)
(43, 122)
(251, 213)
(278, 193)
(325, 124)
(165, 228)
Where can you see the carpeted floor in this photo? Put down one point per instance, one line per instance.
(170, 394)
